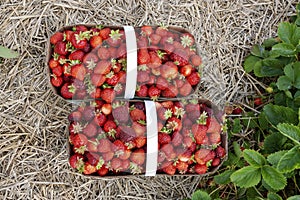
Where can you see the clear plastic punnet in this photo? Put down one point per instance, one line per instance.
(130, 137)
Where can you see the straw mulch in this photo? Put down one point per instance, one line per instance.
(33, 156)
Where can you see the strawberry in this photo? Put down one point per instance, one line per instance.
(112, 79)
(186, 70)
(108, 156)
(102, 171)
(200, 169)
(258, 101)
(56, 81)
(167, 104)
(161, 30)
(125, 164)
(67, 91)
(164, 138)
(92, 145)
(187, 40)
(196, 60)
(199, 132)
(76, 162)
(154, 39)
(95, 41)
(214, 138)
(215, 162)
(154, 92)
(138, 156)
(80, 28)
(176, 138)
(137, 114)
(125, 155)
(146, 30)
(142, 42)
(103, 67)
(100, 119)
(188, 141)
(182, 167)
(169, 70)
(140, 141)
(90, 60)
(75, 116)
(169, 48)
(68, 34)
(143, 76)
(121, 52)
(53, 63)
(108, 95)
(104, 145)
(194, 78)
(185, 89)
(164, 113)
(78, 71)
(220, 152)
(97, 79)
(185, 156)
(67, 71)
(114, 39)
(88, 113)
(141, 91)
(168, 150)
(113, 52)
(79, 39)
(214, 126)
(118, 145)
(143, 57)
(121, 113)
(170, 92)
(126, 133)
(56, 37)
(58, 71)
(103, 53)
(201, 156)
(109, 125)
(237, 111)
(174, 124)
(61, 48)
(77, 55)
(139, 129)
(104, 33)
(155, 59)
(122, 76)
(179, 57)
(116, 164)
(90, 130)
(106, 109)
(170, 169)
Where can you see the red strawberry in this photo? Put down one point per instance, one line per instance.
(75, 116)
(68, 34)
(106, 109)
(237, 111)
(122, 76)
(167, 104)
(155, 59)
(95, 41)
(143, 76)
(104, 145)
(179, 57)
(53, 63)
(92, 145)
(185, 156)
(108, 156)
(154, 39)
(103, 53)
(194, 78)
(201, 156)
(210, 156)
(88, 113)
(182, 167)
(90, 130)
(90, 60)
(104, 33)
(213, 126)
(146, 30)
(108, 95)
(76, 162)
(121, 52)
(78, 39)
(168, 150)
(162, 83)
(102, 171)
(113, 52)
(78, 71)
(125, 155)
(116, 164)
(142, 42)
(141, 91)
(126, 133)
(164, 138)
(61, 48)
(154, 92)
(67, 91)
(138, 156)
(80, 28)
(161, 30)
(187, 40)
(103, 67)
(58, 71)
(109, 125)
(220, 152)
(169, 48)
(196, 60)
(170, 169)
(188, 141)
(214, 138)
(169, 70)
(125, 164)
(143, 56)
(77, 55)
(56, 37)
(199, 131)
(170, 92)
(137, 114)
(121, 114)
(186, 70)
(112, 79)
(56, 81)
(139, 129)
(215, 162)
(118, 145)
(177, 138)
(185, 90)
(98, 79)
(200, 169)
(140, 141)
(174, 124)
(100, 119)
(258, 101)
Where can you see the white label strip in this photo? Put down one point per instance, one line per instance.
(131, 72)
(152, 139)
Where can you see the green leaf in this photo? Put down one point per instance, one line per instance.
(289, 72)
(263, 123)
(284, 49)
(274, 142)
(284, 83)
(271, 67)
(268, 43)
(246, 177)
(274, 158)
(290, 131)
(289, 33)
(7, 53)
(223, 178)
(254, 158)
(273, 177)
(257, 69)
(200, 195)
(297, 75)
(236, 127)
(236, 147)
(297, 197)
(249, 63)
(279, 114)
(290, 161)
(258, 50)
(273, 196)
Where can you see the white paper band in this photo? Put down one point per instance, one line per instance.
(131, 73)
(152, 139)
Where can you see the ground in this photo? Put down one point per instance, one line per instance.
(33, 155)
